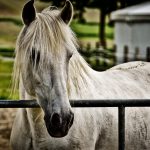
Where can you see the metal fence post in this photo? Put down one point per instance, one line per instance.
(121, 128)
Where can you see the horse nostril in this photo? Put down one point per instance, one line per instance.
(56, 120)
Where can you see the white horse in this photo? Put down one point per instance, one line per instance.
(49, 69)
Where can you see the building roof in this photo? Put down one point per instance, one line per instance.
(140, 12)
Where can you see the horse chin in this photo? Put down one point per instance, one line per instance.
(57, 134)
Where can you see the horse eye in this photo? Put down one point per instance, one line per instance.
(38, 83)
(35, 57)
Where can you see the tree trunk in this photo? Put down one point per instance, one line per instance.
(81, 18)
(102, 28)
(123, 3)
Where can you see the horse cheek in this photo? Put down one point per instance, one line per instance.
(27, 79)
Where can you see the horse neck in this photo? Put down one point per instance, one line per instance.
(81, 79)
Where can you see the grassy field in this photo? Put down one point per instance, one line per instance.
(5, 79)
(10, 25)
(88, 33)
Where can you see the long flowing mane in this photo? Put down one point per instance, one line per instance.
(55, 37)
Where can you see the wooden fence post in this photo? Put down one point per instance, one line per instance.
(88, 47)
(115, 51)
(126, 51)
(97, 62)
(97, 45)
(136, 55)
(148, 54)
(81, 47)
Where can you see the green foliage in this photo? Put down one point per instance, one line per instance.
(106, 5)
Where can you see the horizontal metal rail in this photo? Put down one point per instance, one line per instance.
(120, 103)
(80, 103)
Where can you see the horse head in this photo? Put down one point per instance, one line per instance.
(44, 49)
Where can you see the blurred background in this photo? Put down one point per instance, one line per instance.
(96, 27)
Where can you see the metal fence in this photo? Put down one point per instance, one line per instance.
(120, 103)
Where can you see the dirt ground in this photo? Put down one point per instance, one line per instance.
(6, 119)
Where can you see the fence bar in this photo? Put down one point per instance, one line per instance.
(80, 103)
(18, 104)
(121, 128)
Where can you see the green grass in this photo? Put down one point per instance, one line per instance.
(6, 67)
(5, 80)
(90, 30)
(85, 30)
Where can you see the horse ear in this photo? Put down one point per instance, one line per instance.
(67, 12)
(28, 13)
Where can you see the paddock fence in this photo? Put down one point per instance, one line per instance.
(101, 59)
(120, 103)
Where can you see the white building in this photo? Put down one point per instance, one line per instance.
(132, 29)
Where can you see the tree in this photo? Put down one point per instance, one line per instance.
(56, 3)
(80, 8)
(105, 7)
(131, 2)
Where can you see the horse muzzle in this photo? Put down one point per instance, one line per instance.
(57, 124)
